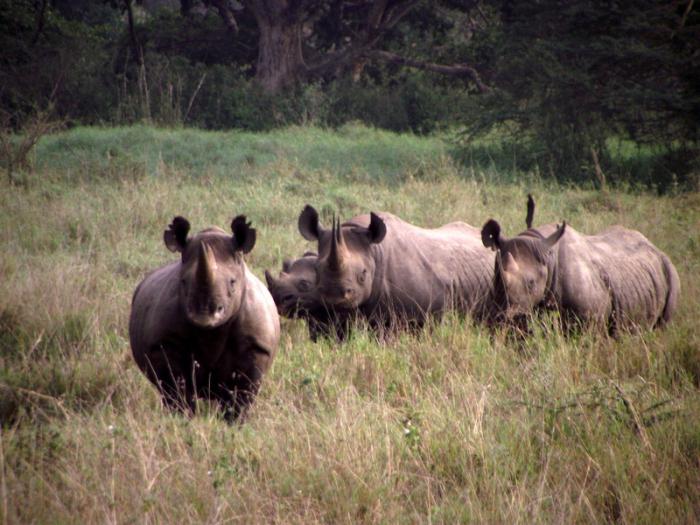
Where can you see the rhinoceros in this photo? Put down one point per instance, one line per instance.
(205, 326)
(296, 295)
(394, 273)
(616, 279)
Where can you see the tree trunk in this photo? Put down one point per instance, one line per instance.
(280, 60)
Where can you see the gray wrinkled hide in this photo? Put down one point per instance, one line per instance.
(292, 302)
(616, 278)
(422, 272)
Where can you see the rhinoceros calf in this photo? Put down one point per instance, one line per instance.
(395, 273)
(296, 295)
(205, 325)
(615, 279)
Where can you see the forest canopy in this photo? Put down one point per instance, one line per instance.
(555, 80)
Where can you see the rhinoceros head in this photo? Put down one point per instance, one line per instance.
(346, 266)
(521, 272)
(212, 273)
(295, 291)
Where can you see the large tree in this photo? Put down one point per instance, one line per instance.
(308, 39)
(573, 73)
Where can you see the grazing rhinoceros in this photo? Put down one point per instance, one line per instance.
(296, 295)
(615, 279)
(394, 273)
(205, 325)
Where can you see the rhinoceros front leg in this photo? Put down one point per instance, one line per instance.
(238, 392)
(171, 373)
(334, 328)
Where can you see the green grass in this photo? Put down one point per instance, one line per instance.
(450, 425)
(627, 165)
(138, 150)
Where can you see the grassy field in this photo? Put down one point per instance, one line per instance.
(454, 424)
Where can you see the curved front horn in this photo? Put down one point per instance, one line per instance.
(334, 258)
(206, 264)
(341, 238)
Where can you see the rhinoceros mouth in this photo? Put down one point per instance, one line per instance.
(343, 308)
(346, 305)
(292, 310)
(207, 320)
(294, 307)
(289, 303)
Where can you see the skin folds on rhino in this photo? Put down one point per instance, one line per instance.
(296, 295)
(616, 279)
(205, 325)
(394, 273)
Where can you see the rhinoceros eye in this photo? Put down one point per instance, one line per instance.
(303, 286)
(362, 276)
(232, 282)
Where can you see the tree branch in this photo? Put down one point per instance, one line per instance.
(136, 48)
(379, 20)
(336, 59)
(40, 18)
(226, 14)
(684, 18)
(376, 12)
(397, 13)
(454, 69)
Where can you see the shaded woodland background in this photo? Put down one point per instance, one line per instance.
(577, 90)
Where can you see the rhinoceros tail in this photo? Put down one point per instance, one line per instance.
(530, 211)
(674, 290)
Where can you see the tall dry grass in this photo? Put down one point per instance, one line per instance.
(454, 424)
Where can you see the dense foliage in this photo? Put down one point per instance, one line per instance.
(572, 74)
(555, 83)
(175, 69)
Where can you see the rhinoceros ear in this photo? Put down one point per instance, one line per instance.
(175, 237)
(554, 238)
(286, 265)
(491, 235)
(243, 234)
(308, 223)
(377, 228)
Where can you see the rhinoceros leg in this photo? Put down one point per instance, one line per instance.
(316, 329)
(329, 326)
(171, 373)
(238, 395)
(238, 392)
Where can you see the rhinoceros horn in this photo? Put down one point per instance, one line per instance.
(271, 281)
(335, 257)
(206, 265)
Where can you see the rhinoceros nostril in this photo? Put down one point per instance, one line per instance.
(287, 298)
(216, 309)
